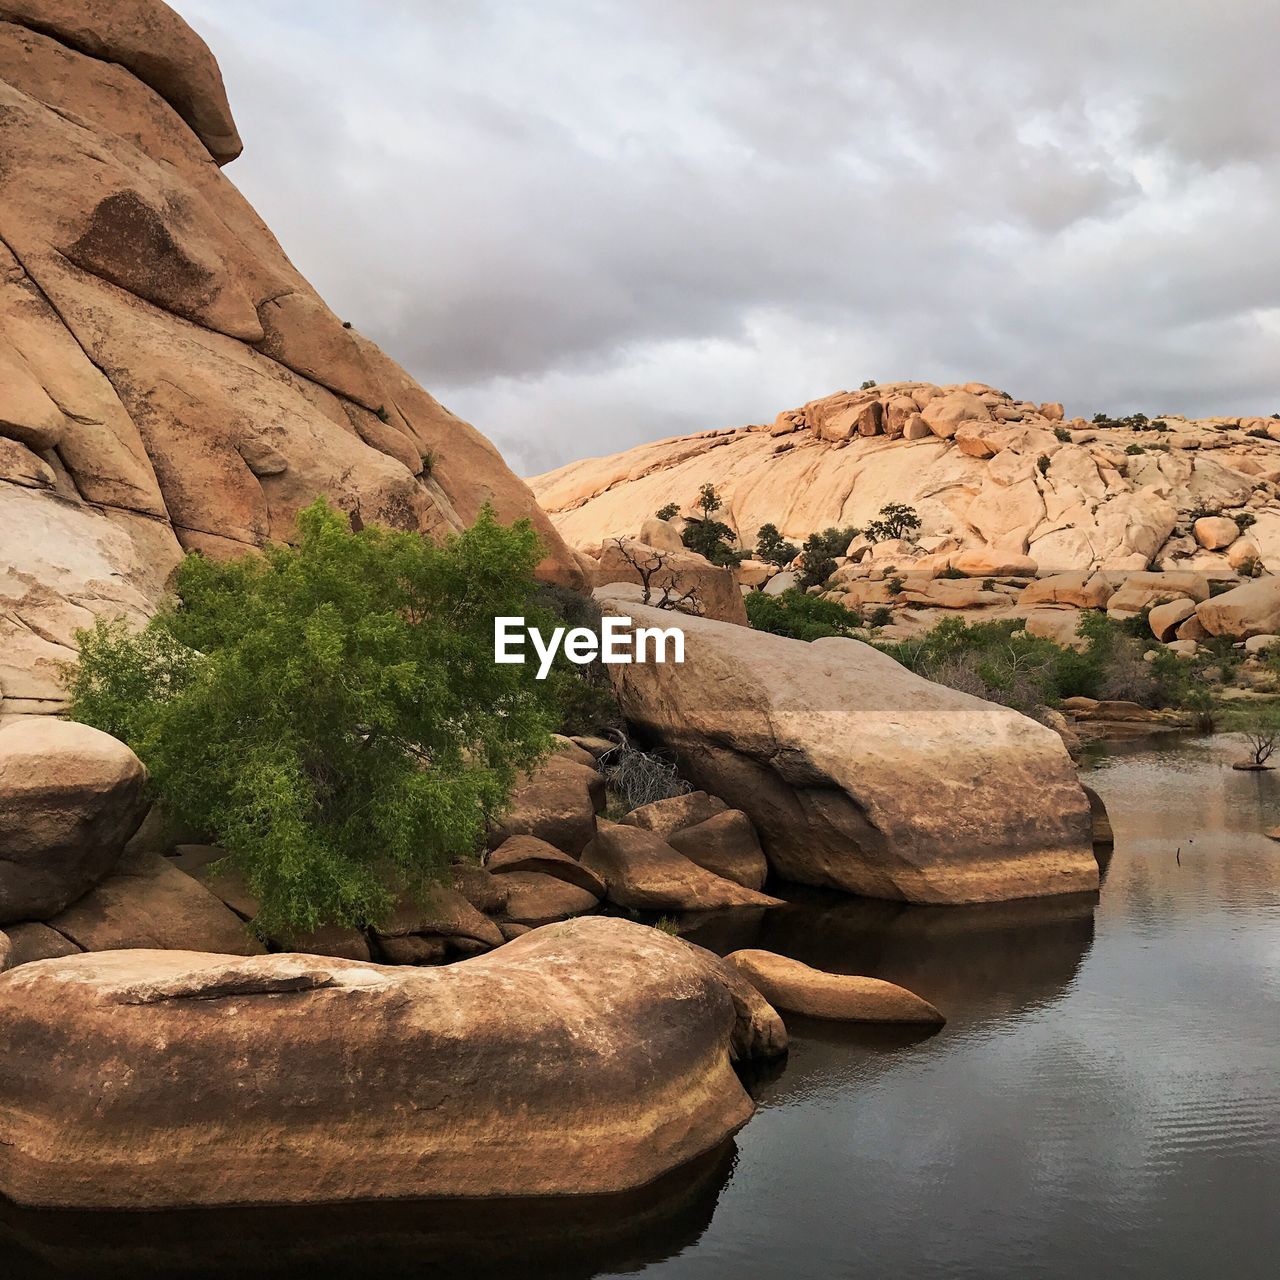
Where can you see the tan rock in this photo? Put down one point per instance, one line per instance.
(1062, 626)
(1215, 532)
(944, 415)
(1082, 590)
(148, 903)
(70, 798)
(992, 563)
(1053, 411)
(1191, 630)
(795, 987)
(557, 803)
(443, 914)
(822, 746)
(27, 414)
(611, 1041)
(916, 428)
(1260, 643)
(664, 817)
(1249, 610)
(676, 573)
(1243, 554)
(1166, 618)
(754, 573)
(1144, 590)
(661, 534)
(527, 853)
(536, 898)
(643, 872)
(1183, 648)
(725, 844)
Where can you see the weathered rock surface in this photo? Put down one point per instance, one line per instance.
(528, 853)
(675, 574)
(861, 776)
(610, 1041)
(1249, 610)
(70, 798)
(1012, 481)
(27, 943)
(794, 987)
(178, 379)
(643, 872)
(664, 817)
(147, 902)
(557, 803)
(535, 898)
(726, 844)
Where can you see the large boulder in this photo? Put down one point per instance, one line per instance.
(726, 844)
(197, 390)
(70, 798)
(557, 803)
(663, 817)
(795, 987)
(147, 902)
(610, 1042)
(1249, 610)
(643, 872)
(528, 853)
(861, 776)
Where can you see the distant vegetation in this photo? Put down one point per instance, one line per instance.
(800, 616)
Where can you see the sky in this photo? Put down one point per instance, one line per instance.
(583, 224)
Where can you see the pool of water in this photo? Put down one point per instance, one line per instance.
(1104, 1099)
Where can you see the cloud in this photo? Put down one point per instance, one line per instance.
(584, 224)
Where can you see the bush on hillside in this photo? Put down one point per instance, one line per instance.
(820, 551)
(331, 711)
(800, 616)
(772, 548)
(708, 536)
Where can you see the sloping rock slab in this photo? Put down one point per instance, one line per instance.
(725, 844)
(860, 775)
(528, 853)
(645, 873)
(790, 985)
(595, 1055)
(537, 899)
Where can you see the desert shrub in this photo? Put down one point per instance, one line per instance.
(584, 693)
(1257, 433)
(895, 586)
(331, 712)
(867, 384)
(1259, 724)
(896, 520)
(1042, 463)
(1062, 434)
(882, 616)
(1133, 449)
(708, 536)
(773, 548)
(669, 512)
(820, 551)
(640, 777)
(1245, 520)
(951, 572)
(800, 616)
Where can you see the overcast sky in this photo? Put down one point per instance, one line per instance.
(587, 223)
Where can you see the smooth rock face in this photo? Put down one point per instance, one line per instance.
(147, 902)
(70, 798)
(557, 803)
(795, 987)
(196, 389)
(1250, 610)
(643, 872)
(28, 943)
(663, 817)
(528, 853)
(859, 775)
(610, 1042)
(535, 898)
(726, 844)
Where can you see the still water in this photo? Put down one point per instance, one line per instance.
(1104, 1100)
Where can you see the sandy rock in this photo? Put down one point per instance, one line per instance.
(611, 1041)
(1243, 554)
(443, 917)
(70, 798)
(645, 873)
(1215, 532)
(822, 746)
(944, 415)
(1102, 831)
(990, 563)
(780, 582)
(535, 898)
(148, 903)
(1145, 590)
(1249, 610)
(1052, 411)
(664, 817)
(557, 803)
(726, 844)
(29, 942)
(1260, 643)
(661, 534)
(1082, 590)
(754, 573)
(1183, 648)
(677, 572)
(18, 465)
(526, 853)
(1166, 618)
(1062, 626)
(794, 987)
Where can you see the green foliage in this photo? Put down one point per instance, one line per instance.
(880, 617)
(895, 586)
(584, 694)
(1245, 520)
(820, 551)
(1133, 449)
(773, 548)
(800, 616)
(897, 520)
(952, 573)
(1061, 433)
(1042, 463)
(708, 536)
(669, 512)
(428, 462)
(867, 385)
(1258, 433)
(331, 712)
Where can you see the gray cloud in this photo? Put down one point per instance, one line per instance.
(585, 223)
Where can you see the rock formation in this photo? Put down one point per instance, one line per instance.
(861, 776)
(168, 380)
(587, 1057)
(988, 474)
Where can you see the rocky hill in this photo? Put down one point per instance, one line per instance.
(986, 472)
(168, 380)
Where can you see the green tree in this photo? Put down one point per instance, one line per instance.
(708, 536)
(820, 551)
(800, 616)
(331, 712)
(773, 548)
(669, 512)
(897, 520)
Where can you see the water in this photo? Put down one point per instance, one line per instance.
(1104, 1100)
